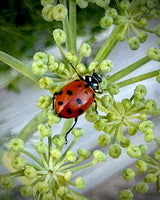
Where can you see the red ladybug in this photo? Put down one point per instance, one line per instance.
(76, 97)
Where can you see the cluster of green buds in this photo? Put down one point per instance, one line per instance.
(133, 15)
(146, 167)
(49, 175)
(130, 113)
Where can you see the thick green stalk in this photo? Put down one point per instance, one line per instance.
(19, 66)
(127, 70)
(32, 126)
(138, 78)
(109, 44)
(72, 21)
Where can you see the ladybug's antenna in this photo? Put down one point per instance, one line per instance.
(80, 77)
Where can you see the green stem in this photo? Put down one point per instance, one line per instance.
(72, 21)
(109, 44)
(13, 174)
(33, 157)
(66, 126)
(66, 29)
(138, 78)
(127, 70)
(32, 126)
(19, 66)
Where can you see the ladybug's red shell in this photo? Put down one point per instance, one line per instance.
(74, 99)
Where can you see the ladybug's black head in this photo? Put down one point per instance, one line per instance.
(93, 81)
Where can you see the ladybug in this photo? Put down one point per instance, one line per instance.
(76, 97)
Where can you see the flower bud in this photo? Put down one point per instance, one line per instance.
(154, 53)
(78, 132)
(55, 153)
(82, 3)
(41, 147)
(80, 183)
(46, 83)
(140, 91)
(47, 12)
(7, 182)
(133, 151)
(58, 140)
(106, 65)
(104, 140)
(59, 12)
(45, 130)
(128, 174)
(71, 156)
(16, 145)
(44, 101)
(106, 21)
(83, 153)
(62, 191)
(18, 162)
(59, 36)
(114, 151)
(107, 101)
(142, 187)
(26, 190)
(30, 172)
(99, 156)
(43, 187)
(134, 43)
(141, 166)
(85, 50)
(126, 194)
(151, 178)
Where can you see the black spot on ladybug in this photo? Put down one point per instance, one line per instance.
(60, 103)
(93, 95)
(61, 92)
(77, 80)
(69, 92)
(79, 85)
(86, 86)
(69, 111)
(80, 111)
(86, 92)
(79, 101)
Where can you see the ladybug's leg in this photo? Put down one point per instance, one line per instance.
(70, 129)
(95, 102)
(54, 96)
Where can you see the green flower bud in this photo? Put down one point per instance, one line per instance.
(157, 154)
(112, 12)
(120, 37)
(115, 151)
(126, 103)
(40, 57)
(80, 183)
(59, 36)
(46, 2)
(132, 130)
(143, 148)
(44, 101)
(47, 12)
(93, 66)
(83, 153)
(67, 175)
(143, 117)
(125, 195)
(149, 135)
(140, 91)
(85, 50)
(99, 156)
(39, 68)
(99, 125)
(16, 145)
(71, 57)
(103, 3)
(41, 147)
(92, 117)
(143, 22)
(141, 166)
(53, 67)
(106, 65)
(142, 187)
(45, 130)
(104, 140)
(113, 88)
(125, 142)
(18, 162)
(150, 105)
(133, 151)
(111, 117)
(78, 132)
(62, 191)
(55, 153)
(43, 187)
(134, 43)
(145, 125)
(7, 182)
(151, 178)
(30, 173)
(142, 36)
(106, 21)
(48, 196)
(26, 190)
(125, 4)
(128, 174)
(46, 83)
(120, 20)
(81, 68)
(82, 3)
(157, 30)
(154, 53)
(52, 118)
(58, 140)
(139, 102)
(59, 12)
(107, 101)
(71, 156)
